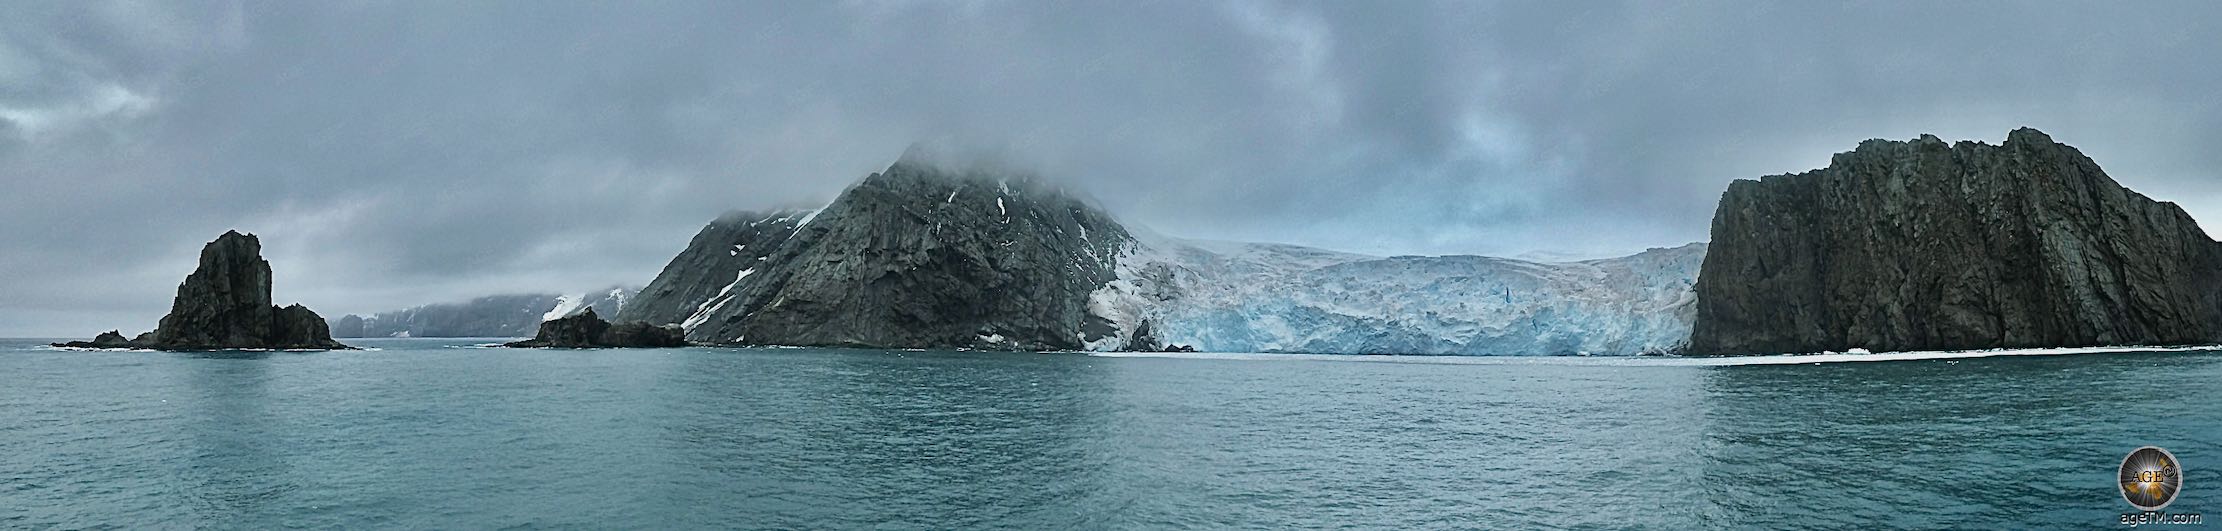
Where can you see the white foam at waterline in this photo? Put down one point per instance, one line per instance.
(1653, 361)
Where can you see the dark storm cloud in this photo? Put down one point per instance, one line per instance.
(393, 155)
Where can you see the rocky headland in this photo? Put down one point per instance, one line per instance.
(920, 256)
(1925, 245)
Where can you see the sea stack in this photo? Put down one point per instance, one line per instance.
(225, 304)
(1924, 245)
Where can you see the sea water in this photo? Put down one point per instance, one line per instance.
(433, 433)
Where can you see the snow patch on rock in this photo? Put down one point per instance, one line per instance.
(565, 304)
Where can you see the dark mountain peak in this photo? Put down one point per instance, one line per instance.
(935, 251)
(2029, 136)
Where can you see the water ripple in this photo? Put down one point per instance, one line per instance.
(442, 434)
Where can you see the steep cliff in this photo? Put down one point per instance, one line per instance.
(1924, 245)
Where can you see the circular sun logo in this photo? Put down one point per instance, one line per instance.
(2151, 477)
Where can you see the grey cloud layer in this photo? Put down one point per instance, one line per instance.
(394, 155)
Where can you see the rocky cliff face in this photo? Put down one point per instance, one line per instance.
(736, 241)
(917, 256)
(225, 304)
(1924, 245)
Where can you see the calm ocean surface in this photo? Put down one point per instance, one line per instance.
(430, 433)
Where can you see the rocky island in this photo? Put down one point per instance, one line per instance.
(1924, 245)
(587, 330)
(225, 304)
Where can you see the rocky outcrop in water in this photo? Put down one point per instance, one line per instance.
(225, 304)
(1144, 339)
(108, 339)
(587, 330)
(1924, 245)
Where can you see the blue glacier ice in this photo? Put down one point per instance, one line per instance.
(1249, 297)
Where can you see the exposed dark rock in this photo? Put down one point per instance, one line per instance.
(1144, 339)
(737, 241)
(297, 327)
(1923, 245)
(109, 339)
(917, 256)
(581, 330)
(225, 304)
(112, 338)
(642, 334)
(587, 330)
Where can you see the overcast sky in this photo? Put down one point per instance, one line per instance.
(399, 154)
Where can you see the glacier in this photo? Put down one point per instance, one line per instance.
(1256, 297)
